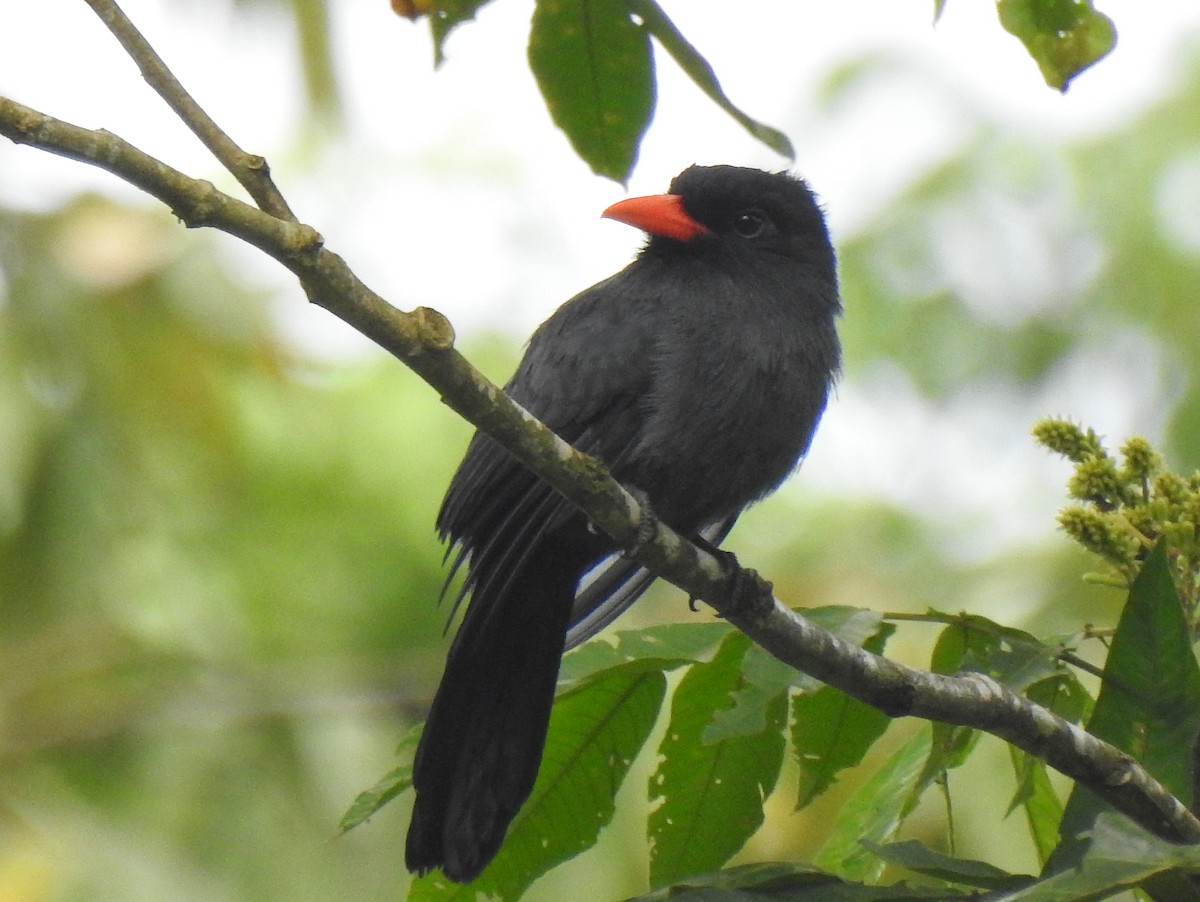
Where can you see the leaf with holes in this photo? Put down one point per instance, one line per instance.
(711, 792)
(596, 73)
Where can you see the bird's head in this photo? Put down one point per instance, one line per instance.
(736, 208)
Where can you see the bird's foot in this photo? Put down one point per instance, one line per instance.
(751, 595)
(647, 524)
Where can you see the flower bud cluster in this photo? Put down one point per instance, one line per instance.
(1125, 506)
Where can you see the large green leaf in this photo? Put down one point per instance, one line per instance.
(1037, 798)
(595, 70)
(764, 679)
(1149, 702)
(1014, 657)
(875, 812)
(1120, 855)
(596, 731)
(953, 744)
(711, 792)
(832, 731)
(919, 858)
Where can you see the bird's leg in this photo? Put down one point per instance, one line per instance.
(720, 554)
(752, 596)
(646, 528)
(647, 523)
(751, 593)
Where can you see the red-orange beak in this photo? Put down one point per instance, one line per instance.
(657, 214)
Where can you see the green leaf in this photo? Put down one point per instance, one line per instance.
(1014, 657)
(389, 786)
(789, 883)
(764, 679)
(1064, 37)
(1037, 798)
(700, 72)
(671, 645)
(765, 676)
(596, 731)
(1149, 702)
(1063, 695)
(1121, 855)
(596, 73)
(711, 793)
(857, 625)
(445, 17)
(875, 811)
(919, 858)
(369, 801)
(832, 731)
(952, 745)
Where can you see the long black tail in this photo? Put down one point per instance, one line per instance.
(479, 755)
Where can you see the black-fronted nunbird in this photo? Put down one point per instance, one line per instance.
(697, 374)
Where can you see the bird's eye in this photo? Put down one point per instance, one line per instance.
(750, 224)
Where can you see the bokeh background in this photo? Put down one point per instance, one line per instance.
(217, 562)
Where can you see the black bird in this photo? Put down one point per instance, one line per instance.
(697, 374)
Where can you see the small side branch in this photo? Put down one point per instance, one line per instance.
(249, 169)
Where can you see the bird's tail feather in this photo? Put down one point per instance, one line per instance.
(482, 745)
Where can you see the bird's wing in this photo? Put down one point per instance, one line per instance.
(493, 514)
(617, 582)
(585, 374)
(589, 365)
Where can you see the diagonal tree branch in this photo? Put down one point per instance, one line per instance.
(423, 340)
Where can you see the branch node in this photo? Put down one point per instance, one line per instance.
(303, 240)
(433, 329)
(203, 208)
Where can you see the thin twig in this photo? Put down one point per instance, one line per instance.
(251, 170)
(988, 628)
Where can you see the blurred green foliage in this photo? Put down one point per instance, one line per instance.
(217, 563)
(216, 567)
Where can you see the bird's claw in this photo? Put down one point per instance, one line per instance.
(751, 594)
(647, 524)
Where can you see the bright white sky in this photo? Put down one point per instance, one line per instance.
(432, 163)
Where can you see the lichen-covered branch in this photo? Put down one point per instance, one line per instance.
(423, 340)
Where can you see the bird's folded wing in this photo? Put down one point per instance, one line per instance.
(617, 582)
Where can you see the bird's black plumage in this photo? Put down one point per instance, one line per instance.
(697, 375)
